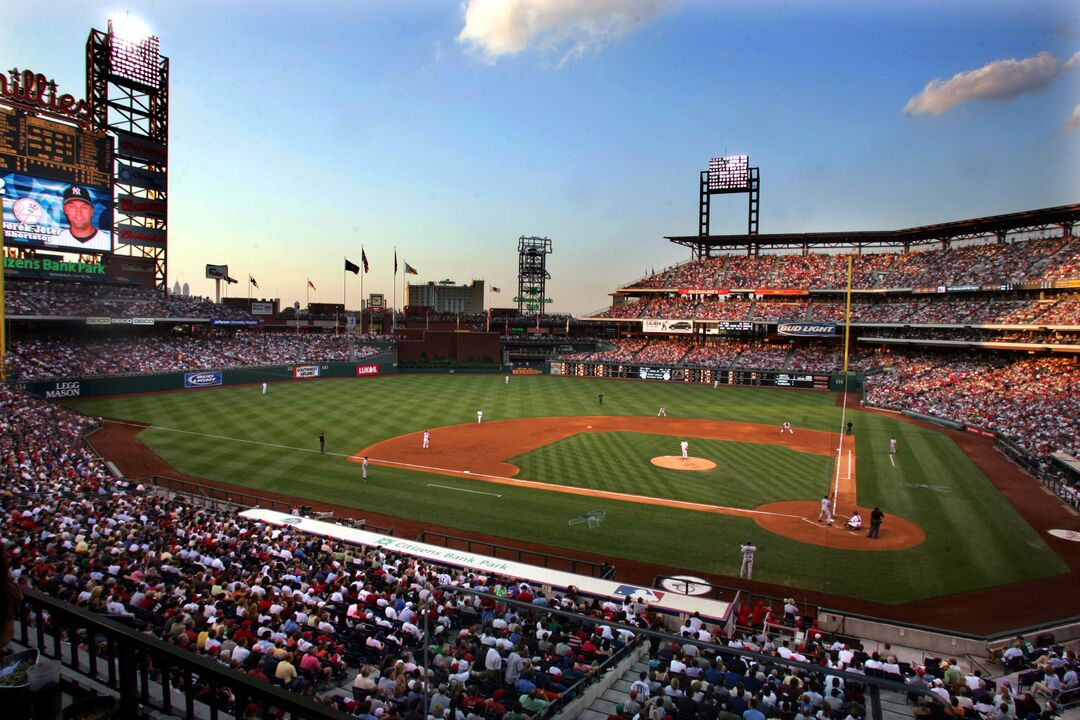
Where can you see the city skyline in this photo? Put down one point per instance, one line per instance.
(438, 133)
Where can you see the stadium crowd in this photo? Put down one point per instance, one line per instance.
(51, 357)
(1063, 309)
(45, 299)
(1021, 261)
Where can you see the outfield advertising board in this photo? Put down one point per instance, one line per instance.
(807, 329)
(202, 379)
(365, 370)
(656, 325)
(305, 371)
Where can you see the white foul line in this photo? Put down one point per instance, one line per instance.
(475, 492)
(892, 460)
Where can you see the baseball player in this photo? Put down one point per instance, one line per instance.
(786, 427)
(748, 551)
(264, 388)
(363, 468)
(427, 439)
(662, 412)
(322, 443)
(892, 446)
(506, 380)
(826, 510)
(685, 447)
(479, 416)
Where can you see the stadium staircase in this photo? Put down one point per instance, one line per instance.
(617, 691)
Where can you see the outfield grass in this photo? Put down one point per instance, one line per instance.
(975, 539)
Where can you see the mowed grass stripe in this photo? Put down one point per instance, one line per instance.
(974, 538)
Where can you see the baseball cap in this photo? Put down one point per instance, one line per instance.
(77, 192)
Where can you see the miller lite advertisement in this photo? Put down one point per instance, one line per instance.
(54, 214)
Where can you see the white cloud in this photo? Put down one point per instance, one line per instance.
(494, 28)
(1073, 121)
(999, 80)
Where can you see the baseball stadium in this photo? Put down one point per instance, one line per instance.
(830, 474)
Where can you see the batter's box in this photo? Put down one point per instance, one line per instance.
(591, 518)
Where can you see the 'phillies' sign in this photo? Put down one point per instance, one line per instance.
(37, 92)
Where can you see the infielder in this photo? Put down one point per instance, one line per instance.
(748, 551)
(427, 439)
(363, 468)
(264, 388)
(786, 427)
(662, 412)
(685, 447)
(479, 416)
(826, 510)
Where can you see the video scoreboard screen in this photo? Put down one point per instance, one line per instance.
(55, 184)
(729, 173)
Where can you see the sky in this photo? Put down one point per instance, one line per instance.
(303, 132)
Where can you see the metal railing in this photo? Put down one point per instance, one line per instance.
(144, 671)
(235, 496)
(532, 557)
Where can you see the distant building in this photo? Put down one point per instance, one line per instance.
(448, 298)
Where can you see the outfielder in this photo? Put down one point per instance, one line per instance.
(892, 446)
(264, 388)
(748, 551)
(363, 468)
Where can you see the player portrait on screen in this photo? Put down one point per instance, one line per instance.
(55, 214)
(81, 233)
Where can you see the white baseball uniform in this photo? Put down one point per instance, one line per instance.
(685, 446)
(427, 439)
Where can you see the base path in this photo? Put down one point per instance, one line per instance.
(479, 451)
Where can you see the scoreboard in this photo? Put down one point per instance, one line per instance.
(43, 148)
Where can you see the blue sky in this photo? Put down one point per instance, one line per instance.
(448, 129)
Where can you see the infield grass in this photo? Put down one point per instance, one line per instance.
(974, 538)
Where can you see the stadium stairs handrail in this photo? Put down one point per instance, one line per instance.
(120, 658)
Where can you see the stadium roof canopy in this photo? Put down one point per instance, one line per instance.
(995, 226)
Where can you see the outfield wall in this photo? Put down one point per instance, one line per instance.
(194, 380)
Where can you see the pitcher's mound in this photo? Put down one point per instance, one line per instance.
(674, 462)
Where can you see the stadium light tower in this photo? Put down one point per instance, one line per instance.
(532, 275)
(127, 86)
(727, 175)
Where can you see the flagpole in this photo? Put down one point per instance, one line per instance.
(393, 317)
(363, 272)
(344, 279)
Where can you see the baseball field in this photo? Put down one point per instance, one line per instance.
(549, 451)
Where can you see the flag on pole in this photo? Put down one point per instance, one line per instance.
(495, 289)
(363, 259)
(410, 270)
(252, 281)
(311, 284)
(395, 261)
(230, 280)
(351, 267)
